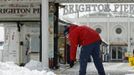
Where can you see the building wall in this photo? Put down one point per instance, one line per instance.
(117, 31)
(109, 26)
(114, 36)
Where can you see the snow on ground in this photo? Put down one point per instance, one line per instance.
(37, 68)
(111, 68)
(9, 68)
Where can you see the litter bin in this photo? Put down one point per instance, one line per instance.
(131, 61)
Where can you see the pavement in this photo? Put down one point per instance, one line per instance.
(111, 68)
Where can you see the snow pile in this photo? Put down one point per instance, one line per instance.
(9, 68)
(35, 65)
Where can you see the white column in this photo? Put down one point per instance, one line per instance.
(108, 32)
(45, 32)
(129, 35)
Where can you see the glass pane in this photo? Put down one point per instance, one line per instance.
(119, 53)
(35, 43)
(113, 53)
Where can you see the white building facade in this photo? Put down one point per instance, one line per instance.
(117, 32)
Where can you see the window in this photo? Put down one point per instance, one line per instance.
(1, 37)
(98, 30)
(118, 30)
(1, 44)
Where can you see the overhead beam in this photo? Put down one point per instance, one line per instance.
(92, 1)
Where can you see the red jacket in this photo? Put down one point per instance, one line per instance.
(81, 35)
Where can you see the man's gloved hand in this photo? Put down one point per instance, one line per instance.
(71, 63)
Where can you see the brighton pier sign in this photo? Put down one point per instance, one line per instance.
(99, 7)
(22, 11)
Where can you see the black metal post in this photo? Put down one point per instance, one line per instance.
(40, 57)
(55, 62)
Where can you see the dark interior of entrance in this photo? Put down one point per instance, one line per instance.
(117, 53)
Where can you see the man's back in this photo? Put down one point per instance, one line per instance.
(85, 35)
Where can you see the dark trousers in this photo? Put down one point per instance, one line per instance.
(87, 51)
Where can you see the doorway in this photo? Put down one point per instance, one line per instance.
(117, 52)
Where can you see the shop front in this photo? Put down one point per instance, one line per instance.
(18, 21)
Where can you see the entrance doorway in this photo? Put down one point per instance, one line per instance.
(117, 53)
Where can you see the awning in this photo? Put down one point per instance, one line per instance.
(118, 44)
